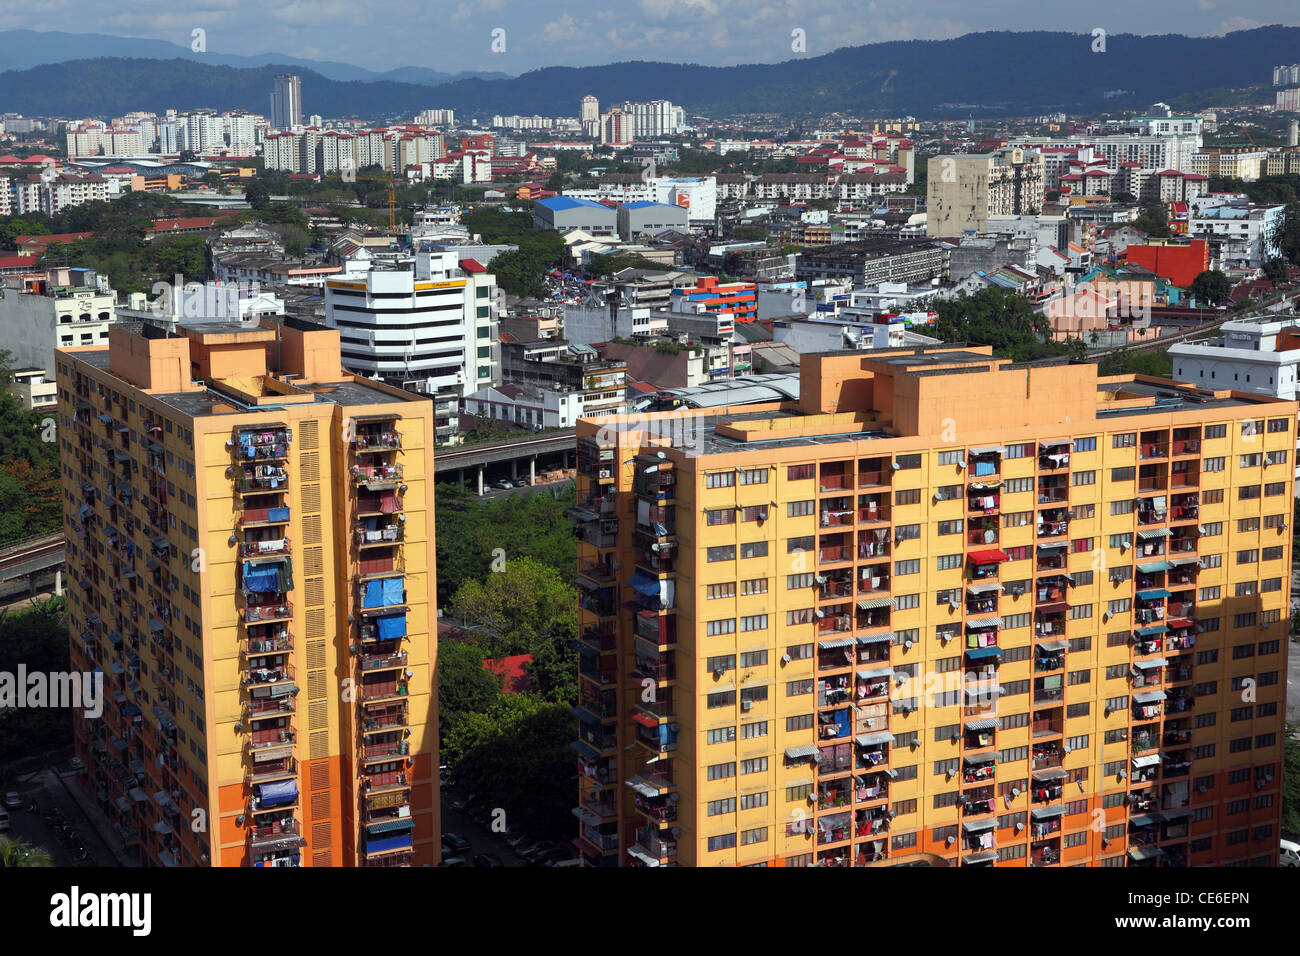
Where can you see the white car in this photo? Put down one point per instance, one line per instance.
(13, 800)
(1290, 855)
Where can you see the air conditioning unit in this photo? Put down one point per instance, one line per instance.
(746, 705)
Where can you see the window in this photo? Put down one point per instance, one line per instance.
(726, 698)
(948, 492)
(796, 581)
(947, 562)
(1249, 556)
(1279, 424)
(1013, 485)
(756, 835)
(1247, 524)
(725, 552)
(754, 549)
(725, 842)
(1085, 444)
(797, 688)
(1021, 450)
(904, 602)
(1122, 507)
(753, 586)
(717, 516)
(795, 545)
(721, 664)
(720, 479)
(754, 622)
(1271, 490)
(952, 457)
(721, 771)
(800, 472)
(1122, 474)
(907, 462)
(1248, 492)
(801, 722)
(753, 765)
(754, 513)
(718, 807)
(713, 591)
(1079, 512)
(799, 509)
(908, 497)
(1213, 464)
(950, 527)
(726, 626)
(753, 476)
(912, 566)
(1251, 461)
(1209, 594)
(1124, 440)
(721, 735)
(1216, 431)
(907, 532)
(803, 615)
(1083, 478)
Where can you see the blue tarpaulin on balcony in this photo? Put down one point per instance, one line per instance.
(390, 843)
(1154, 594)
(390, 627)
(259, 578)
(384, 592)
(279, 793)
(277, 514)
(843, 723)
(979, 653)
(1152, 631)
(645, 584)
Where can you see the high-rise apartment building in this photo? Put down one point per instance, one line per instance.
(944, 609)
(286, 102)
(251, 533)
(963, 191)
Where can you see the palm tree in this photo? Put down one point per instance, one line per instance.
(22, 853)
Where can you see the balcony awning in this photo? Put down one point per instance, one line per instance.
(980, 623)
(645, 720)
(643, 787)
(584, 748)
(641, 855)
(1154, 662)
(991, 556)
(982, 653)
(835, 642)
(1149, 760)
(1052, 646)
(1144, 819)
(872, 604)
(799, 753)
(979, 826)
(1055, 442)
(984, 690)
(984, 723)
(984, 486)
(876, 672)
(883, 638)
(138, 795)
(1153, 594)
(984, 587)
(587, 817)
(1051, 548)
(1145, 852)
(1155, 566)
(879, 737)
(1052, 607)
(1151, 631)
(986, 857)
(581, 514)
(986, 450)
(1177, 813)
(585, 715)
(978, 759)
(272, 753)
(1053, 773)
(1146, 534)
(1149, 697)
(1182, 562)
(389, 826)
(1047, 813)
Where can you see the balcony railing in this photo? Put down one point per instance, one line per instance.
(376, 474)
(380, 662)
(258, 613)
(248, 549)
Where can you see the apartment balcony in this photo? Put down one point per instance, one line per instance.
(1053, 523)
(383, 533)
(275, 741)
(1053, 493)
(874, 581)
(261, 444)
(873, 509)
(984, 463)
(834, 480)
(836, 588)
(280, 834)
(373, 691)
(979, 768)
(870, 546)
(261, 479)
(272, 770)
(835, 512)
(383, 718)
(1054, 455)
(262, 547)
(1185, 474)
(1046, 756)
(258, 708)
(982, 534)
(376, 476)
(834, 554)
(258, 517)
(873, 478)
(1048, 690)
(1152, 483)
(384, 782)
(272, 641)
(871, 787)
(265, 676)
(396, 747)
(1149, 450)
(371, 663)
(376, 439)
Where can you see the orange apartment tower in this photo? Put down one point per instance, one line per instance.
(250, 530)
(943, 608)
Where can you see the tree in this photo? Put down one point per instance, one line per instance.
(1275, 270)
(256, 194)
(1154, 219)
(465, 686)
(1212, 286)
(525, 600)
(1000, 318)
(21, 853)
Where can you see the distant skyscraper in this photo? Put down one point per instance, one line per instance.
(286, 102)
(590, 109)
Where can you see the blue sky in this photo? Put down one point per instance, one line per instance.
(451, 35)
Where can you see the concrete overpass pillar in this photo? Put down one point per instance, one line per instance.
(532, 470)
(58, 582)
(514, 469)
(480, 480)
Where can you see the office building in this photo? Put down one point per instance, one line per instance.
(41, 310)
(942, 609)
(251, 533)
(286, 102)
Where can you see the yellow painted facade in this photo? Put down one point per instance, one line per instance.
(943, 607)
(235, 504)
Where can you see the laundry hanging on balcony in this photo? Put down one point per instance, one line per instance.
(391, 627)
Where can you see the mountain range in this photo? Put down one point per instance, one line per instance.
(985, 74)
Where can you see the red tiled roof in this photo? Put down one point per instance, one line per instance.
(472, 266)
(64, 237)
(645, 388)
(194, 222)
(511, 669)
(18, 262)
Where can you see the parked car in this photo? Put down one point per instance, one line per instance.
(1290, 855)
(76, 764)
(486, 859)
(515, 839)
(4, 820)
(571, 861)
(456, 842)
(454, 861)
(505, 484)
(537, 851)
(13, 801)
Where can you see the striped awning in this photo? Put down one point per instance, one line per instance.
(799, 753)
(1155, 566)
(1054, 773)
(883, 638)
(872, 603)
(1149, 697)
(1146, 534)
(1153, 662)
(979, 826)
(980, 623)
(836, 642)
(984, 587)
(879, 737)
(1150, 760)
(987, 723)
(1047, 813)
(876, 672)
